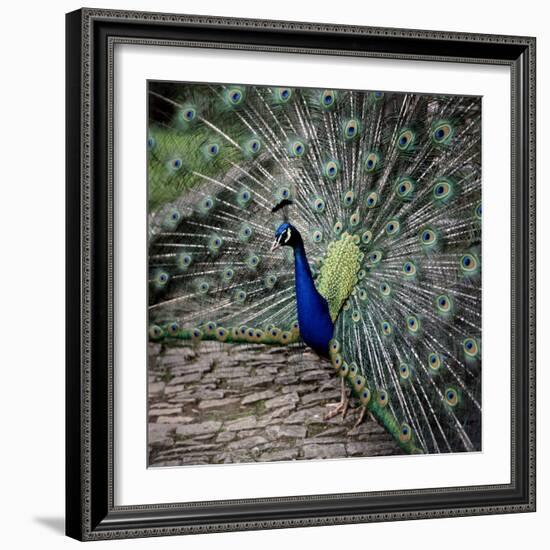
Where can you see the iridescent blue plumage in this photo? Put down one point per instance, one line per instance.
(316, 326)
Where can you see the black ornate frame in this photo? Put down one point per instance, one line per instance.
(90, 510)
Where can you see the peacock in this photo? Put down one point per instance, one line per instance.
(346, 221)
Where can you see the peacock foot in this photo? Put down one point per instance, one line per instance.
(360, 418)
(341, 407)
(337, 408)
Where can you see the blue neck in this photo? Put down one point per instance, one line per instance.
(316, 327)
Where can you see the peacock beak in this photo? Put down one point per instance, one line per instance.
(276, 244)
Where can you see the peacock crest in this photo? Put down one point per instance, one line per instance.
(374, 202)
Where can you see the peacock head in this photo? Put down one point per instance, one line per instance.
(286, 235)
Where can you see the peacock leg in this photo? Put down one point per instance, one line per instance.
(341, 407)
(361, 417)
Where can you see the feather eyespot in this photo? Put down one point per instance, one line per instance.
(392, 227)
(385, 289)
(451, 396)
(471, 349)
(161, 279)
(405, 140)
(434, 361)
(382, 398)
(184, 261)
(155, 332)
(405, 433)
(443, 303)
(372, 199)
(188, 114)
(387, 328)
(297, 148)
(372, 161)
(428, 238)
(328, 98)
(413, 324)
(234, 96)
(409, 269)
(349, 197)
(283, 95)
(203, 287)
(442, 133)
(404, 371)
(469, 264)
(331, 169)
(351, 129)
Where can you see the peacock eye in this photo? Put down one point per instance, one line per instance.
(253, 146)
(387, 329)
(405, 433)
(443, 190)
(328, 97)
(404, 371)
(470, 347)
(468, 264)
(351, 128)
(372, 199)
(372, 162)
(451, 396)
(184, 261)
(318, 204)
(477, 211)
(189, 114)
(297, 148)
(151, 142)
(253, 261)
(317, 236)
(203, 287)
(228, 274)
(337, 228)
(349, 197)
(155, 332)
(442, 133)
(413, 324)
(234, 96)
(405, 140)
(378, 95)
(176, 164)
(215, 243)
(392, 227)
(434, 361)
(374, 258)
(240, 297)
(444, 303)
(331, 169)
(270, 281)
(409, 269)
(428, 237)
(283, 94)
(385, 289)
(365, 396)
(366, 237)
(356, 316)
(382, 398)
(206, 204)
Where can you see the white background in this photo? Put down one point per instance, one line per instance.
(32, 232)
(137, 485)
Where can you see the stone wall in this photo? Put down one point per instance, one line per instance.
(222, 403)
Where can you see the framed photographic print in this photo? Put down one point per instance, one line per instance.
(300, 274)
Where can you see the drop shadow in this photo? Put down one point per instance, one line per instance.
(56, 524)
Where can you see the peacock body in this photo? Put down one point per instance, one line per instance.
(374, 202)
